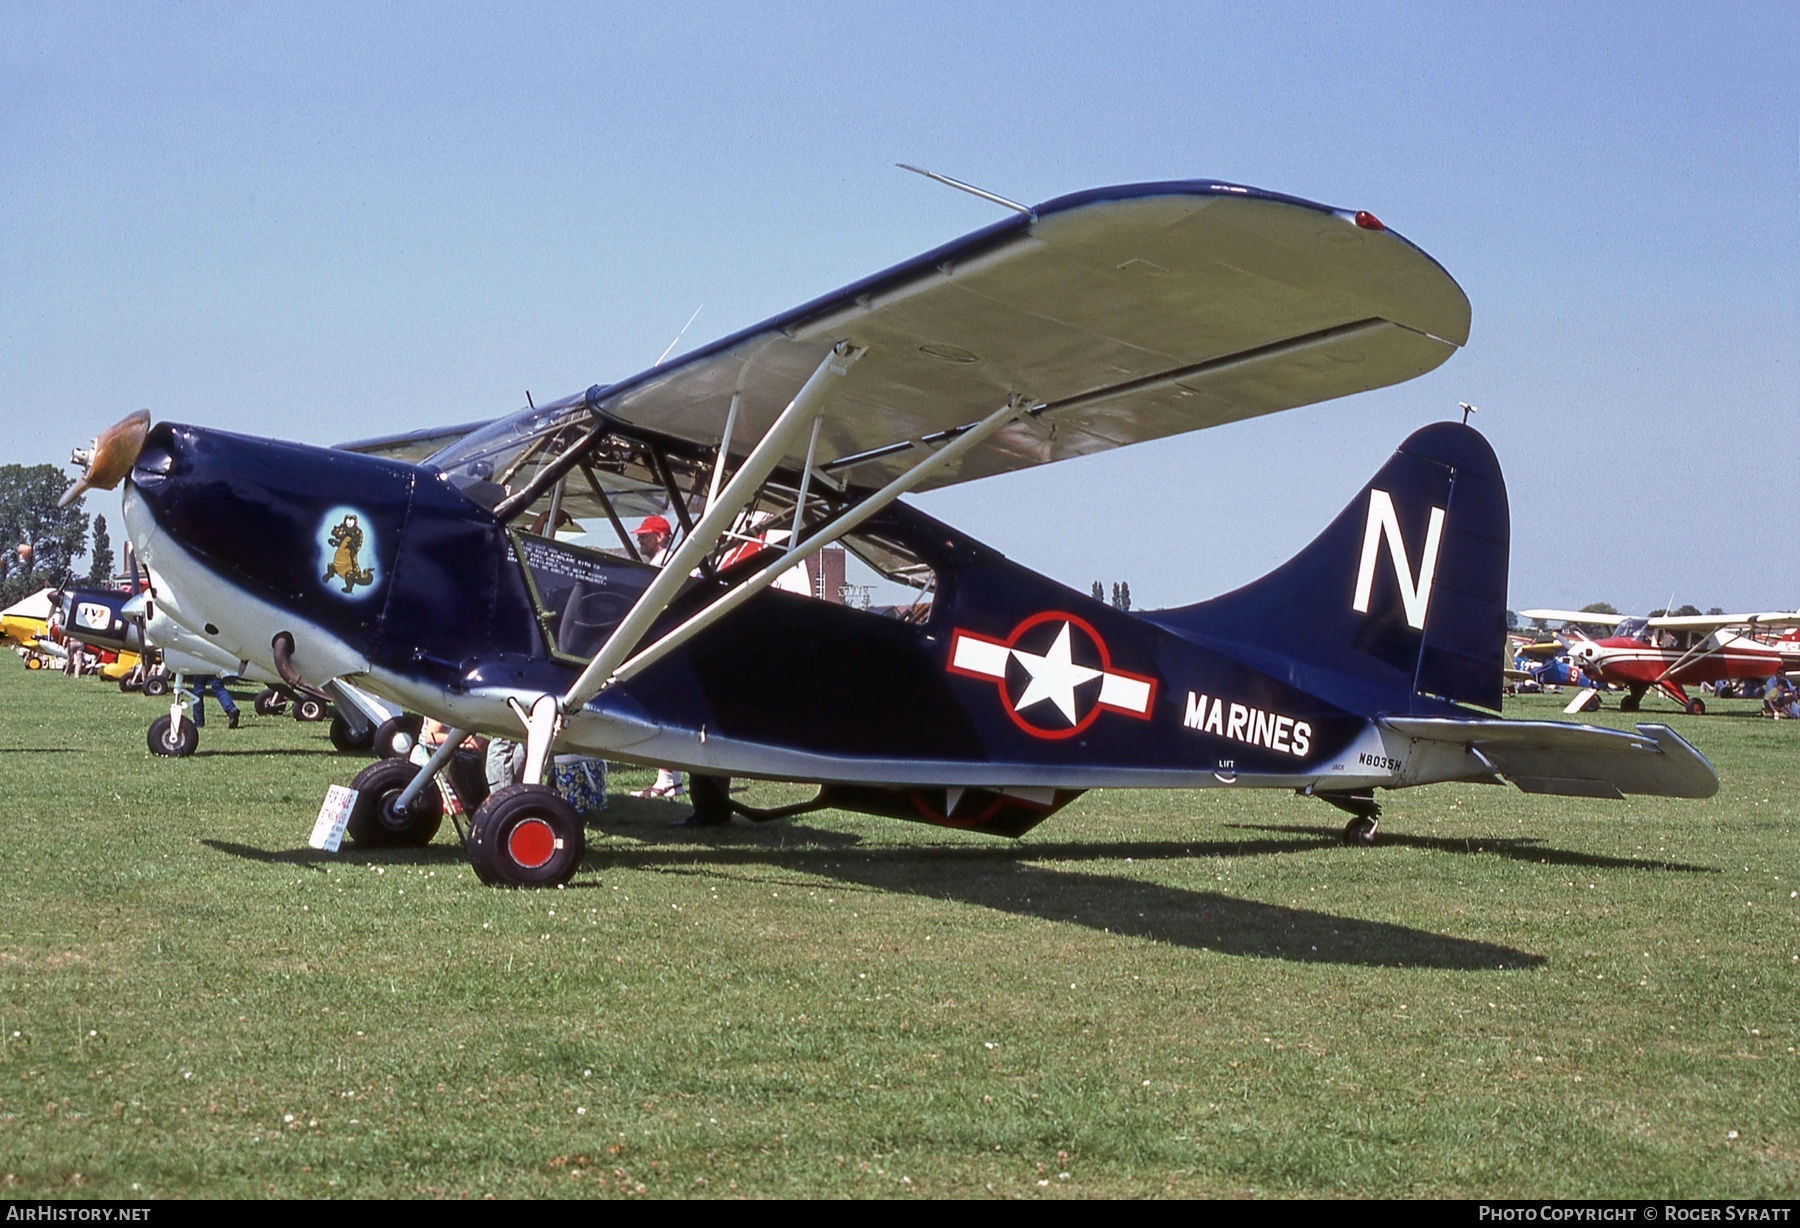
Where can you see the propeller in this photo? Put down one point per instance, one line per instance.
(110, 457)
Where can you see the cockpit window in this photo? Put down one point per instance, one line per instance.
(581, 502)
(502, 456)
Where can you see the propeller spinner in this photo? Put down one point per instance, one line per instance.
(110, 457)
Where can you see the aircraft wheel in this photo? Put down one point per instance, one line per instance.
(396, 736)
(376, 822)
(1628, 703)
(126, 686)
(156, 687)
(307, 708)
(33, 663)
(1696, 708)
(1360, 830)
(171, 740)
(344, 740)
(526, 836)
(270, 703)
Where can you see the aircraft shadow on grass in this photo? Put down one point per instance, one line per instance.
(1515, 848)
(275, 750)
(1007, 880)
(1011, 879)
(316, 860)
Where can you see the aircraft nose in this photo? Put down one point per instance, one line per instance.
(260, 511)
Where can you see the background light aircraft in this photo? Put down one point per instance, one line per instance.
(25, 624)
(1094, 321)
(1669, 653)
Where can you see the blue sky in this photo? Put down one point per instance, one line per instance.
(323, 222)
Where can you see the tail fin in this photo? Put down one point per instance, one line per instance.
(1403, 596)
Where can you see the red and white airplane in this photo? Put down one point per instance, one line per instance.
(1672, 652)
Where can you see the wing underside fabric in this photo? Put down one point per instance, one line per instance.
(1130, 313)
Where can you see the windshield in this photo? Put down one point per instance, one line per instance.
(502, 456)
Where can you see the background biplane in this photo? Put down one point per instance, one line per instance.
(1094, 321)
(1669, 653)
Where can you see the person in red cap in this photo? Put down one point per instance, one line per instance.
(653, 539)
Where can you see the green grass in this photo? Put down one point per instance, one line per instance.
(1181, 993)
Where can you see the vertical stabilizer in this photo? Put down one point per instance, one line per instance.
(1401, 600)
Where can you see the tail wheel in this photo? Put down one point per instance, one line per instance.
(526, 836)
(376, 820)
(270, 703)
(173, 741)
(1360, 830)
(306, 708)
(396, 736)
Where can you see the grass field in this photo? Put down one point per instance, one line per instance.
(1183, 994)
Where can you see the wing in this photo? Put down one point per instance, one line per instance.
(413, 445)
(1772, 620)
(1129, 313)
(1574, 617)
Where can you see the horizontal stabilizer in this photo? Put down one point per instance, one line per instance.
(1575, 760)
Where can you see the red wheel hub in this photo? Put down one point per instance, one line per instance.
(531, 844)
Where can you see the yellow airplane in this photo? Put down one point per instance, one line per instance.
(25, 628)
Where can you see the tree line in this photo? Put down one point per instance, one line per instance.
(42, 541)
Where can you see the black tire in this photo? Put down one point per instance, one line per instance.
(1696, 708)
(34, 663)
(126, 686)
(375, 822)
(1360, 831)
(270, 703)
(170, 740)
(526, 836)
(156, 686)
(396, 736)
(345, 740)
(1629, 703)
(309, 708)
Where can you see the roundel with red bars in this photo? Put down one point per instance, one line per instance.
(1054, 674)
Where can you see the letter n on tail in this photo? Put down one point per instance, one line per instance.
(1384, 523)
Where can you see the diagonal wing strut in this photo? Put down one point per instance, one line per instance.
(800, 416)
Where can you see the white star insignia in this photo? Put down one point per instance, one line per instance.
(1054, 676)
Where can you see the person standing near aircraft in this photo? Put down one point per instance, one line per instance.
(212, 682)
(653, 537)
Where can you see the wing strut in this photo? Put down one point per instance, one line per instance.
(796, 419)
(1014, 408)
(718, 474)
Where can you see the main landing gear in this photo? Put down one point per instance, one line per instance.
(525, 835)
(173, 736)
(274, 700)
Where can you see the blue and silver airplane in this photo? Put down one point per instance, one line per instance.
(430, 570)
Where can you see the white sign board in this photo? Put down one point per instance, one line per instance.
(328, 831)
